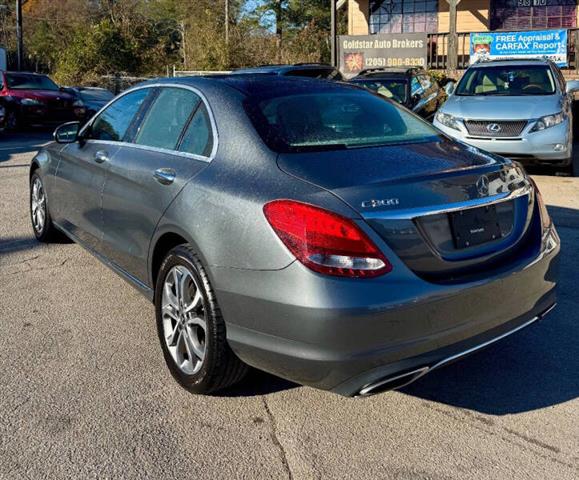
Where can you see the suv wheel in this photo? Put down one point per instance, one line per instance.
(190, 326)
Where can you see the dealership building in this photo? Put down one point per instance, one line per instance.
(449, 23)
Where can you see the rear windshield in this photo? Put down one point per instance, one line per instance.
(394, 89)
(507, 81)
(335, 119)
(20, 81)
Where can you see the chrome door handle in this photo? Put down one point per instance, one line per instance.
(101, 156)
(165, 176)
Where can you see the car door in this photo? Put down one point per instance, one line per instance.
(173, 143)
(82, 169)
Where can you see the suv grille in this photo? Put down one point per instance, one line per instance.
(485, 128)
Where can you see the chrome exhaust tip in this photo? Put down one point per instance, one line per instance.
(392, 383)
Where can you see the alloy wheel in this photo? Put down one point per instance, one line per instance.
(38, 205)
(184, 319)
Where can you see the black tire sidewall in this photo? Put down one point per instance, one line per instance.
(198, 382)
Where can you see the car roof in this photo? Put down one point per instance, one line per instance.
(516, 62)
(256, 84)
(12, 72)
(283, 68)
(388, 72)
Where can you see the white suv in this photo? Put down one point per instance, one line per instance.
(520, 109)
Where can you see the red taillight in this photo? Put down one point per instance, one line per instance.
(324, 241)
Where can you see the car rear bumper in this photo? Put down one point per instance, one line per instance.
(537, 147)
(345, 335)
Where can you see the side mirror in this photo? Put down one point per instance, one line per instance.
(572, 86)
(449, 88)
(67, 133)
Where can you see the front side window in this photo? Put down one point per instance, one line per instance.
(335, 119)
(112, 124)
(393, 89)
(23, 81)
(507, 81)
(167, 117)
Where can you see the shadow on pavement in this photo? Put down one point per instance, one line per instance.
(258, 383)
(535, 368)
(21, 143)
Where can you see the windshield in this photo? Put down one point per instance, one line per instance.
(393, 89)
(507, 81)
(101, 96)
(335, 119)
(22, 81)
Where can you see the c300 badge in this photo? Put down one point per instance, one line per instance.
(385, 202)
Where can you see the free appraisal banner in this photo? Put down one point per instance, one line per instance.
(496, 45)
(359, 52)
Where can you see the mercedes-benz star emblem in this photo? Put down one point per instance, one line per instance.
(494, 127)
(482, 185)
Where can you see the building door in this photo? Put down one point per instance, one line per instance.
(403, 16)
(533, 14)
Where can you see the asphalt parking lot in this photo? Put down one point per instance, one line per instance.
(84, 392)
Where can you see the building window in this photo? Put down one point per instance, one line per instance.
(533, 14)
(402, 16)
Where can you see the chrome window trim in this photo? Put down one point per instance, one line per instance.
(412, 213)
(156, 149)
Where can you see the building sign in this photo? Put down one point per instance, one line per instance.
(359, 52)
(546, 43)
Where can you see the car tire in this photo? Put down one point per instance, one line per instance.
(190, 326)
(570, 169)
(44, 229)
(12, 123)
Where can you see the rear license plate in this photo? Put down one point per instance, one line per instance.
(474, 226)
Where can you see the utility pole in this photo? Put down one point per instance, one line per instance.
(278, 27)
(333, 33)
(19, 39)
(452, 63)
(227, 23)
(227, 32)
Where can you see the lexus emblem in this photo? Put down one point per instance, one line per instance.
(482, 185)
(494, 127)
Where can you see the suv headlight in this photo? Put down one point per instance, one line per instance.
(549, 121)
(31, 102)
(448, 120)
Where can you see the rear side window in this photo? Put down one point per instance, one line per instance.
(198, 138)
(166, 118)
(112, 124)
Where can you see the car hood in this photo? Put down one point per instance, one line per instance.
(502, 108)
(41, 94)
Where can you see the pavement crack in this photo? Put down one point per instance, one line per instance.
(275, 439)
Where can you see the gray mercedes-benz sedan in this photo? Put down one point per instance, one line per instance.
(311, 229)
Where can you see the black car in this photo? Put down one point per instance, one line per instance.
(311, 70)
(3, 115)
(412, 87)
(93, 98)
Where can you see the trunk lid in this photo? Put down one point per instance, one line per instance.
(409, 195)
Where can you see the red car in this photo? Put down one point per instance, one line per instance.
(35, 99)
